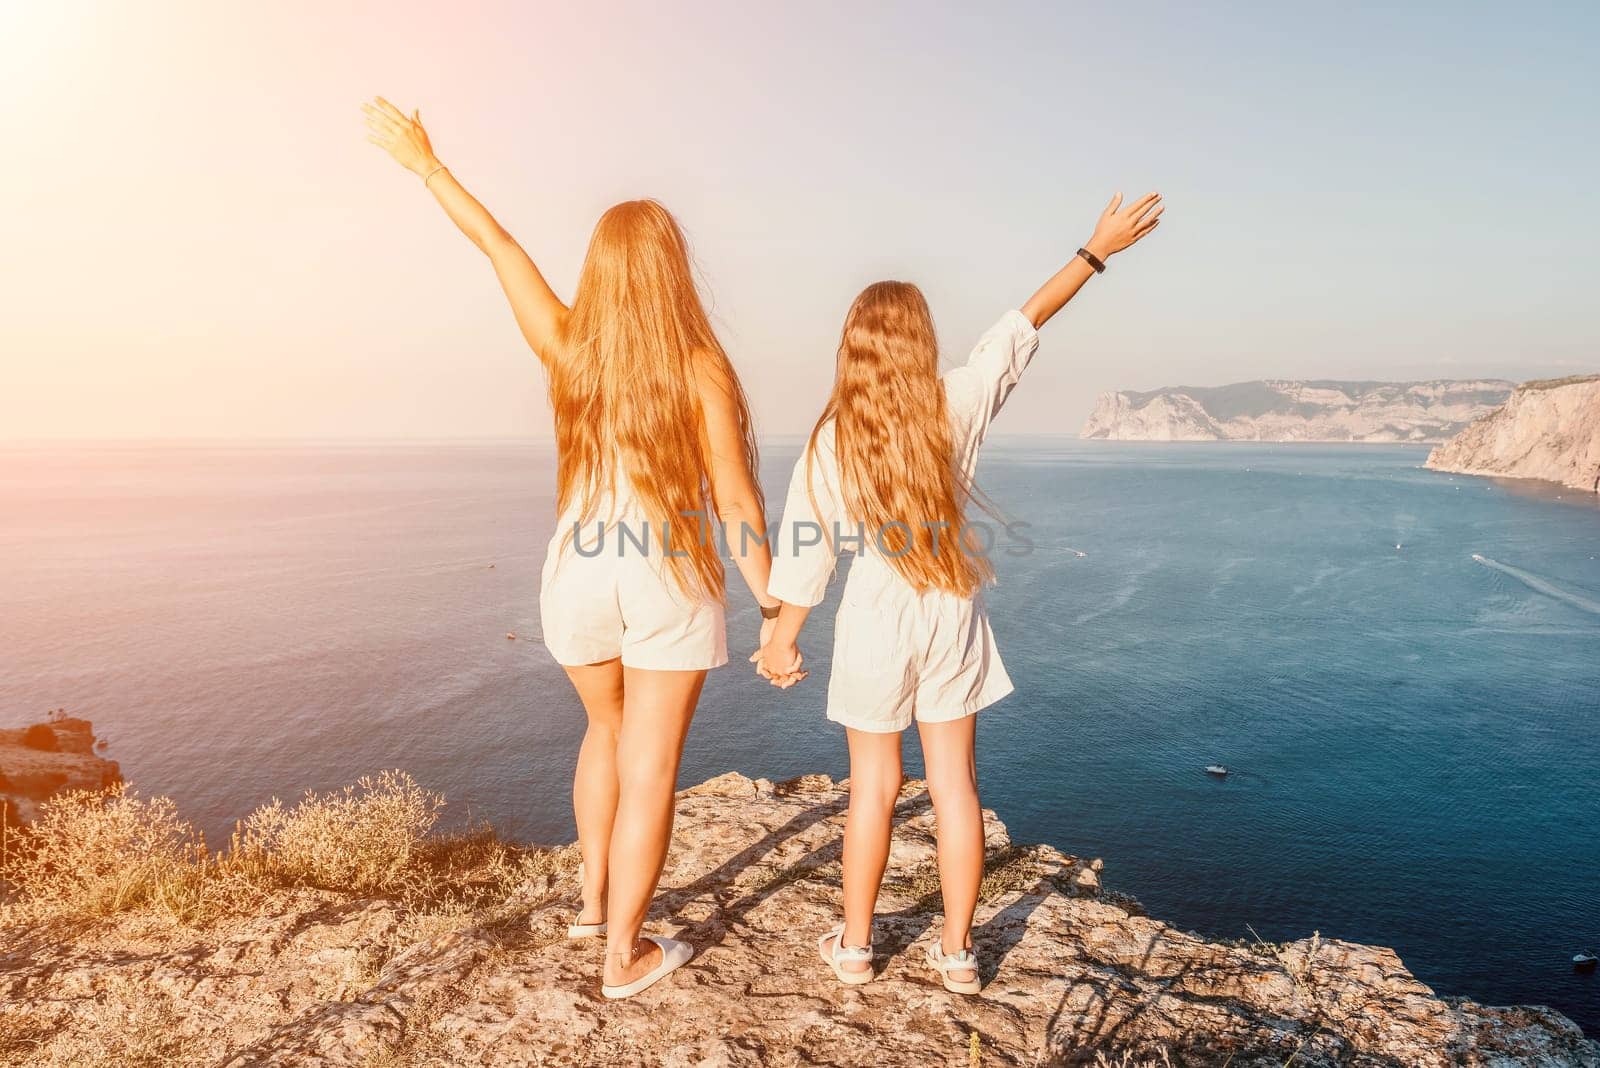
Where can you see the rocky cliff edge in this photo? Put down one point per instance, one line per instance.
(1073, 974)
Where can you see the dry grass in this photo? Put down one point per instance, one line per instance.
(420, 1044)
(1126, 1060)
(361, 839)
(1004, 871)
(1298, 971)
(90, 855)
(474, 879)
(128, 1024)
(775, 879)
(23, 1033)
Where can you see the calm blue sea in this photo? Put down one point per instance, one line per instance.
(1412, 728)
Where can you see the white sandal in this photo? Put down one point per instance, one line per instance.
(945, 963)
(584, 930)
(674, 955)
(835, 957)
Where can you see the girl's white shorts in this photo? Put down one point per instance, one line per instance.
(900, 656)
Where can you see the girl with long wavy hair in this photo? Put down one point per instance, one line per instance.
(654, 446)
(889, 472)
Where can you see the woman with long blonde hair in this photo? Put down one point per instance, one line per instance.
(654, 447)
(888, 472)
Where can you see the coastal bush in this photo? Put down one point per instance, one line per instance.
(363, 838)
(90, 854)
(41, 737)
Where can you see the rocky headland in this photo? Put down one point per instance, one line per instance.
(454, 954)
(1547, 430)
(44, 759)
(1282, 410)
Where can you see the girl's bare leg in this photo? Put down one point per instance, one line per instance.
(948, 752)
(874, 788)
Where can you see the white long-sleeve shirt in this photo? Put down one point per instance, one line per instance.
(806, 549)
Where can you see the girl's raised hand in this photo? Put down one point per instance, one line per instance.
(401, 137)
(1121, 226)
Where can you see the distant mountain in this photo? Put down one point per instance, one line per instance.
(1548, 430)
(1281, 410)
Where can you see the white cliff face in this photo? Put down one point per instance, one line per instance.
(1282, 410)
(1548, 430)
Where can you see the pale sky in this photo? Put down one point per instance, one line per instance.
(197, 240)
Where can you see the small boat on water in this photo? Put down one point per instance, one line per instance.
(1218, 770)
(1584, 962)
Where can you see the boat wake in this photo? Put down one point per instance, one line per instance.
(1539, 585)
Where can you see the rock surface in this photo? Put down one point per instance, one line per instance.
(1548, 430)
(1278, 410)
(29, 774)
(1071, 971)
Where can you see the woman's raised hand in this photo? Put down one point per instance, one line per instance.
(401, 137)
(1121, 226)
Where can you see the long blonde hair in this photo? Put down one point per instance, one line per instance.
(892, 436)
(624, 383)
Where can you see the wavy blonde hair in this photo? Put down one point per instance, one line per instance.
(625, 379)
(892, 436)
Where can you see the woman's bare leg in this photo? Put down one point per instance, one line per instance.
(874, 788)
(594, 786)
(948, 753)
(656, 709)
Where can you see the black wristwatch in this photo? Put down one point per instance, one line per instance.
(1092, 260)
(770, 613)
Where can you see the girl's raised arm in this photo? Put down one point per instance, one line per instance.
(1118, 228)
(539, 311)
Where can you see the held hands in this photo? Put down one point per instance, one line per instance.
(403, 138)
(779, 664)
(1120, 227)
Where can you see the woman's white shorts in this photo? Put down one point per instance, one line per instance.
(595, 608)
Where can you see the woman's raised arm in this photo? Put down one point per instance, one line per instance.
(539, 311)
(1117, 228)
